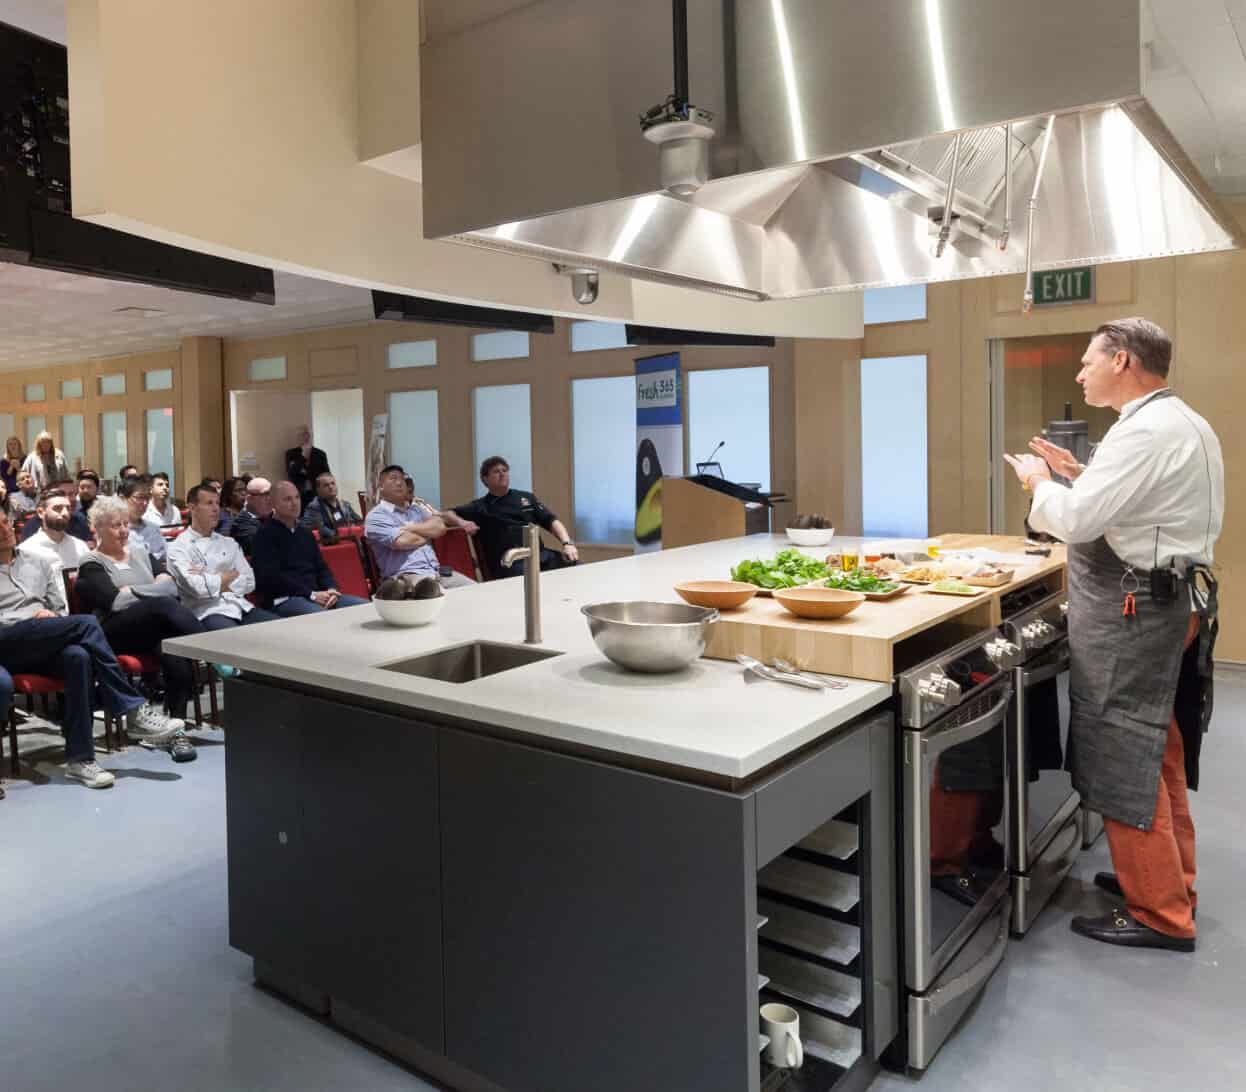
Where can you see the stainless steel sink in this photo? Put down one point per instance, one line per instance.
(468, 662)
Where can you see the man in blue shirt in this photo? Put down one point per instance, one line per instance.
(289, 570)
(401, 533)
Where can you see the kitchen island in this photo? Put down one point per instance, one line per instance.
(547, 878)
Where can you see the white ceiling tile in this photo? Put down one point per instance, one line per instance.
(1174, 18)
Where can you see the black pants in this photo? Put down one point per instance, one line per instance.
(141, 627)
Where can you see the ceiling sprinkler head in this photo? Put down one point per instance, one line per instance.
(683, 151)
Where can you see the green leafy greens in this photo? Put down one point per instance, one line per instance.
(861, 581)
(788, 569)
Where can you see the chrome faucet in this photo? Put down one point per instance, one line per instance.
(531, 551)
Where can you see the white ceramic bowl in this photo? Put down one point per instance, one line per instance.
(810, 537)
(409, 612)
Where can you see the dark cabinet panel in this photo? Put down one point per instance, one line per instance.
(268, 893)
(599, 924)
(369, 808)
(334, 855)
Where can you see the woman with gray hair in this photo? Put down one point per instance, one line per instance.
(136, 603)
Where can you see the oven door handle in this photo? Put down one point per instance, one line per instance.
(937, 742)
(1047, 671)
(972, 978)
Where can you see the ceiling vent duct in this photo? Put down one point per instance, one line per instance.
(853, 145)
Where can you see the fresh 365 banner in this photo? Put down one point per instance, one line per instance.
(659, 441)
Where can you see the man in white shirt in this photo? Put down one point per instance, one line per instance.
(52, 540)
(25, 498)
(211, 572)
(161, 510)
(136, 492)
(1141, 521)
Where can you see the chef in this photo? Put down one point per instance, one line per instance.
(1141, 521)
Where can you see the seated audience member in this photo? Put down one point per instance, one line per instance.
(289, 571)
(52, 540)
(259, 507)
(211, 571)
(136, 492)
(26, 497)
(127, 471)
(502, 514)
(401, 532)
(161, 510)
(4, 505)
(36, 636)
(78, 525)
(233, 497)
(327, 513)
(135, 602)
(6, 698)
(88, 490)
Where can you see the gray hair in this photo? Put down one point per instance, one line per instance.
(106, 506)
(1142, 339)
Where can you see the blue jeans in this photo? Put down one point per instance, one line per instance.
(75, 650)
(298, 604)
(255, 614)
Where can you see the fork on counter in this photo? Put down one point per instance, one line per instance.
(787, 668)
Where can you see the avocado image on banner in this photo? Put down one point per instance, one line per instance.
(648, 493)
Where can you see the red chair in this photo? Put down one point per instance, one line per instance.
(345, 561)
(363, 503)
(457, 549)
(30, 685)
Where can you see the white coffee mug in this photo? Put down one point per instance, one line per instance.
(782, 1024)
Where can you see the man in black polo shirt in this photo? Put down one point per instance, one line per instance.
(502, 514)
(289, 571)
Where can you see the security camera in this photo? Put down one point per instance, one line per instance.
(584, 282)
(683, 135)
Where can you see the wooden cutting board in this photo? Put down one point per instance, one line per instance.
(861, 644)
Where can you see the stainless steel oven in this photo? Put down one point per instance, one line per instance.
(1045, 820)
(953, 710)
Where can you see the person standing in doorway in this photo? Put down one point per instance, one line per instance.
(304, 464)
(14, 456)
(1141, 523)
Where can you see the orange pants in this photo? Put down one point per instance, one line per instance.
(1156, 867)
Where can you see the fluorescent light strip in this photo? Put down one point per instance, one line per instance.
(789, 80)
(938, 61)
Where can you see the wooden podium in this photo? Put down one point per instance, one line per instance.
(694, 512)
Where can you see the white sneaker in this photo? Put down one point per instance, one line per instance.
(150, 723)
(91, 774)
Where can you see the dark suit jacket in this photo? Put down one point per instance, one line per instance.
(304, 472)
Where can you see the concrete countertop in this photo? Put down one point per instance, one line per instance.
(710, 717)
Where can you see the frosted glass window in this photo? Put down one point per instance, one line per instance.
(731, 404)
(603, 427)
(265, 368)
(587, 336)
(112, 384)
(71, 388)
(413, 440)
(893, 446)
(35, 392)
(113, 443)
(34, 426)
(73, 442)
(160, 443)
(500, 345)
(160, 379)
(412, 354)
(903, 303)
(502, 423)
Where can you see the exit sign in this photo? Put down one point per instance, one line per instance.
(1064, 286)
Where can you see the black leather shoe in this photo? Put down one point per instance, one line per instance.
(1120, 927)
(1109, 883)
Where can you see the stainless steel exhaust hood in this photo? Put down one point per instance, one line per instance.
(854, 145)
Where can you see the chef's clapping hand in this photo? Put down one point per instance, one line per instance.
(1059, 459)
(1029, 468)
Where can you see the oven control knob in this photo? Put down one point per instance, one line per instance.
(1002, 652)
(938, 690)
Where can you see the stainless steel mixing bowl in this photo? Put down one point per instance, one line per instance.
(653, 637)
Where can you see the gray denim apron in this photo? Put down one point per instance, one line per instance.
(1123, 679)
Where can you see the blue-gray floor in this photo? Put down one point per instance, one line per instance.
(115, 973)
